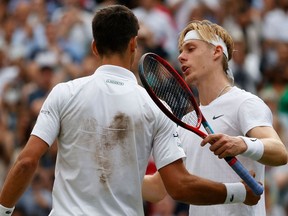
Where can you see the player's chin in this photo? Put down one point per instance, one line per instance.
(188, 78)
(185, 75)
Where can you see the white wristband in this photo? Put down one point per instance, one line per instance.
(236, 193)
(255, 148)
(4, 211)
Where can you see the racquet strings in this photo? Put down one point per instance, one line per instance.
(167, 88)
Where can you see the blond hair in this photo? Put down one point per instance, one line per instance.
(208, 32)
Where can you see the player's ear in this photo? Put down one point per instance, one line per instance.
(94, 48)
(218, 51)
(133, 44)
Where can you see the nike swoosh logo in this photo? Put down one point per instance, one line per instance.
(216, 117)
(232, 198)
(175, 134)
(253, 140)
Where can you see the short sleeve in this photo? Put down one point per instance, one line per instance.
(166, 147)
(47, 125)
(253, 112)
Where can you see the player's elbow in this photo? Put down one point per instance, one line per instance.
(281, 158)
(281, 155)
(26, 164)
(161, 195)
(284, 158)
(157, 198)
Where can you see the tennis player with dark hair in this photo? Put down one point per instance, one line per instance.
(107, 126)
(242, 122)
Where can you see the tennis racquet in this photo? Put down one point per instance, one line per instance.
(174, 97)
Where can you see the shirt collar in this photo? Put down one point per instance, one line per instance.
(116, 71)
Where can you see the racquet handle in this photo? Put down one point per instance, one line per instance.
(237, 166)
(256, 187)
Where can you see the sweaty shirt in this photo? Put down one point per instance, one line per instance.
(107, 127)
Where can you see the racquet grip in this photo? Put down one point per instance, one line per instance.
(236, 165)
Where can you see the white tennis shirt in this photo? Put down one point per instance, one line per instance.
(106, 125)
(234, 113)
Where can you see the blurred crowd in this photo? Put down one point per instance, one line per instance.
(44, 42)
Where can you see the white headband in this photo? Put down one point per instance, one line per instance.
(194, 35)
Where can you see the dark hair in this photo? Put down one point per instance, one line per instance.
(113, 27)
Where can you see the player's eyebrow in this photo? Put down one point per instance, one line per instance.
(187, 44)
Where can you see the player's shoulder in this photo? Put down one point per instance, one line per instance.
(79, 81)
(149, 105)
(146, 98)
(242, 95)
(65, 90)
(75, 83)
(246, 100)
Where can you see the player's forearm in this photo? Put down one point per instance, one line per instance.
(184, 187)
(17, 181)
(200, 192)
(275, 153)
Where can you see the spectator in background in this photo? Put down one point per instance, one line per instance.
(3, 10)
(276, 75)
(8, 70)
(275, 23)
(13, 105)
(44, 83)
(6, 149)
(242, 19)
(7, 34)
(38, 13)
(54, 51)
(244, 65)
(272, 204)
(159, 27)
(283, 103)
(24, 38)
(181, 10)
(74, 28)
(280, 177)
(206, 10)
(37, 199)
(274, 33)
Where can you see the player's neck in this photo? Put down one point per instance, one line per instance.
(117, 61)
(209, 93)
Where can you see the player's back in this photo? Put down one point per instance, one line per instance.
(104, 144)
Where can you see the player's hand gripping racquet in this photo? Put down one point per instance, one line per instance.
(166, 87)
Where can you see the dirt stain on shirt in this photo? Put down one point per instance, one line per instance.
(112, 143)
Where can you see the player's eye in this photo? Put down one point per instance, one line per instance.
(191, 49)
